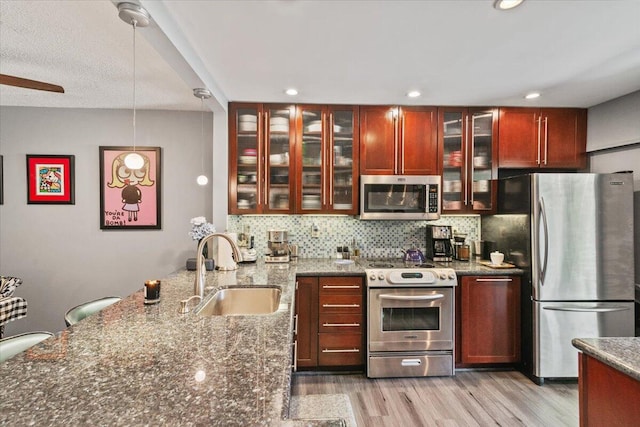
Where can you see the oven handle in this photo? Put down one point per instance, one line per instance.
(411, 297)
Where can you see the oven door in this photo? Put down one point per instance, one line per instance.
(410, 319)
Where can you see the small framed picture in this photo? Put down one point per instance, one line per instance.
(129, 199)
(50, 179)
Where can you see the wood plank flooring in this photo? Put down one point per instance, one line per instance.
(471, 398)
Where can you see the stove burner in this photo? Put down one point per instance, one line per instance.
(381, 265)
(425, 265)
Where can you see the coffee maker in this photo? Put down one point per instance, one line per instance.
(245, 243)
(278, 243)
(439, 243)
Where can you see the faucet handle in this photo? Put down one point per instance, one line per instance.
(184, 304)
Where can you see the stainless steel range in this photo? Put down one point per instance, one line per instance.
(410, 325)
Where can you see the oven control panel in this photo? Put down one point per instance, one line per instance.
(415, 277)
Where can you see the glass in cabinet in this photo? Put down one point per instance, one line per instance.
(260, 158)
(468, 145)
(328, 153)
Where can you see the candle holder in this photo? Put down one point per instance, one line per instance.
(151, 291)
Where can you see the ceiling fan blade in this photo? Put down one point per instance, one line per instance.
(29, 84)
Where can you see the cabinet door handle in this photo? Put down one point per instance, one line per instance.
(402, 153)
(539, 136)
(465, 147)
(496, 279)
(396, 113)
(331, 153)
(340, 286)
(339, 325)
(471, 150)
(265, 163)
(340, 305)
(546, 139)
(295, 325)
(295, 356)
(346, 350)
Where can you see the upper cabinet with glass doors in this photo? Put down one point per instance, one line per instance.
(261, 158)
(468, 138)
(327, 159)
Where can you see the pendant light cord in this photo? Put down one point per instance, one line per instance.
(134, 24)
(202, 131)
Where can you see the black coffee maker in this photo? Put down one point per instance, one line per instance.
(439, 246)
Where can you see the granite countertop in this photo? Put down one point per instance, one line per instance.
(474, 268)
(621, 353)
(137, 364)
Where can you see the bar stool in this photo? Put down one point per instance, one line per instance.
(81, 311)
(15, 344)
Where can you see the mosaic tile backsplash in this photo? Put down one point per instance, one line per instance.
(373, 238)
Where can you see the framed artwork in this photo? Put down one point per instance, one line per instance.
(129, 199)
(50, 179)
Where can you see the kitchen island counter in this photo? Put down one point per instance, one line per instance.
(136, 364)
(620, 353)
(608, 381)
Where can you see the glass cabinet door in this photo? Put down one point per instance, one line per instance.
(313, 159)
(453, 176)
(278, 156)
(481, 146)
(342, 146)
(247, 155)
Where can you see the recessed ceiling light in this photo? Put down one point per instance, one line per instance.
(532, 95)
(413, 94)
(506, 4)
(291, 92)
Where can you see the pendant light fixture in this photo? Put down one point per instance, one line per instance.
(136, 16)
(202, 94)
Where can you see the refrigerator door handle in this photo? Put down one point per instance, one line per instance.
(587, 310)
(542, 266)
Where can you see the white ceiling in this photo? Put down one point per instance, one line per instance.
(576, 52)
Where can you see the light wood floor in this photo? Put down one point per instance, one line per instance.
(471, 398)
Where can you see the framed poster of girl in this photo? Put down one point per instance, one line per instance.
(129, 199)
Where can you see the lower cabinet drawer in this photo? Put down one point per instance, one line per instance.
(341, 323)
(340, 304)
(340, 349)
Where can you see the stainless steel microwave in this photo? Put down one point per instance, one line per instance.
(400, 197)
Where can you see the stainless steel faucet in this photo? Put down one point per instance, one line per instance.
(201, 271)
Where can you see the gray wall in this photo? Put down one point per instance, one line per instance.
(59, 250)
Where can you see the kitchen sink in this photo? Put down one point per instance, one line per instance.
(242, 301)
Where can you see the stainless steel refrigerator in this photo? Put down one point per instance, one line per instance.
(573, 235)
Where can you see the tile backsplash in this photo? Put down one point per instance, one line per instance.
(374, 238)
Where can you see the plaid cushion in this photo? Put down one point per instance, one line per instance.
(12, 308)
(8, 285)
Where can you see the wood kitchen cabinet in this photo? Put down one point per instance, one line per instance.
(487, 320)
(607, 396)
(468, 143)
(327, 159)
(398, 141)
(306, 322)
(329, 328)
(261, 158)
(554, 138)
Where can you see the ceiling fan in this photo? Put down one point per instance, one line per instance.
(29, 84)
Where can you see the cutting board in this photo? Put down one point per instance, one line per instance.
(503, 265)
